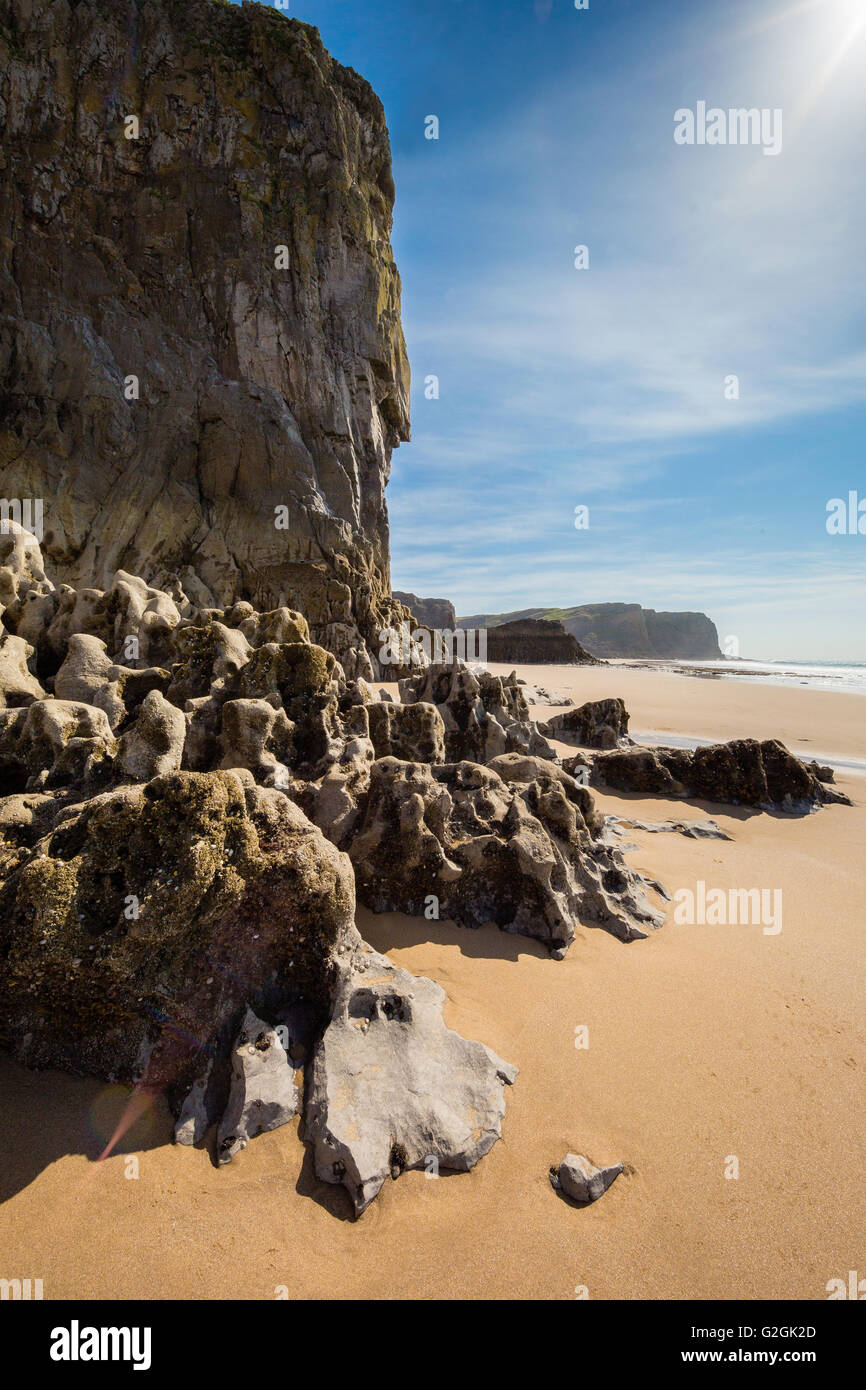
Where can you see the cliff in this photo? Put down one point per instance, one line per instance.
(537, 641)
(435, 613)
(623, 629)
(189, 400)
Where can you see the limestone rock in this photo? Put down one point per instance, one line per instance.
(263, 1093)
(540, 695)
(581, 1180)
(153, 745)
(193, 1119)
(22, 569)
(280, 625)
(706, 829)
(257, 735)
(393, 1089)
(55, 743)
(596, 724)
(88, 674)
(149, 917)
(822, 772)
(18, 685)
(743, 772)
(526, 853)
(171, 858)
(415, 733)
(484, 715)
(235, 261)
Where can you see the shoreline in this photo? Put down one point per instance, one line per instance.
(666, 703)
(788, 674)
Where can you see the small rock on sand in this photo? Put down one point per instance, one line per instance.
(581, 1180)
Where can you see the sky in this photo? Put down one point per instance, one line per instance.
(608, 387)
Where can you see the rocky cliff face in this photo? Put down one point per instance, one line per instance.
(202, 369)
(536, 641)
(626, 629)
(623, 629)
(435, 613)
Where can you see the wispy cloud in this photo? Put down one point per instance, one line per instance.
(561, 386)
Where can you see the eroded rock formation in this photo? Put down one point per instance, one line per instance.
(424, 1097)
(517, 843)
(743, 772)
(189, 797)
(596, 724)
(484, 715)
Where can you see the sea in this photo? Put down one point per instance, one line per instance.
(819, 675)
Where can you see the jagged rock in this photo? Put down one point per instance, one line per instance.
(393, 1089)
(484, 715)
(525, 854)
(235, 259)
(415, 733)
(581, 1180)
(89, 675)
(744, 772)
(257, 735)
(153, 745)
(596, 724)
(55, 743)
(706, 829)
(18, 685)
(539, 695)
(822, 772)
(538, 642)
(432, 613)
(263, 1093)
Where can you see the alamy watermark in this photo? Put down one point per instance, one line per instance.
(714, 907)
(77, 1343)
(740, 125)
(846, 517)
(23, 512)
(431, 646)
(20, 1290)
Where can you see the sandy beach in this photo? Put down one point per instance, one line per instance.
(706, 1044)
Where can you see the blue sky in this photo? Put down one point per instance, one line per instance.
(605, 387)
